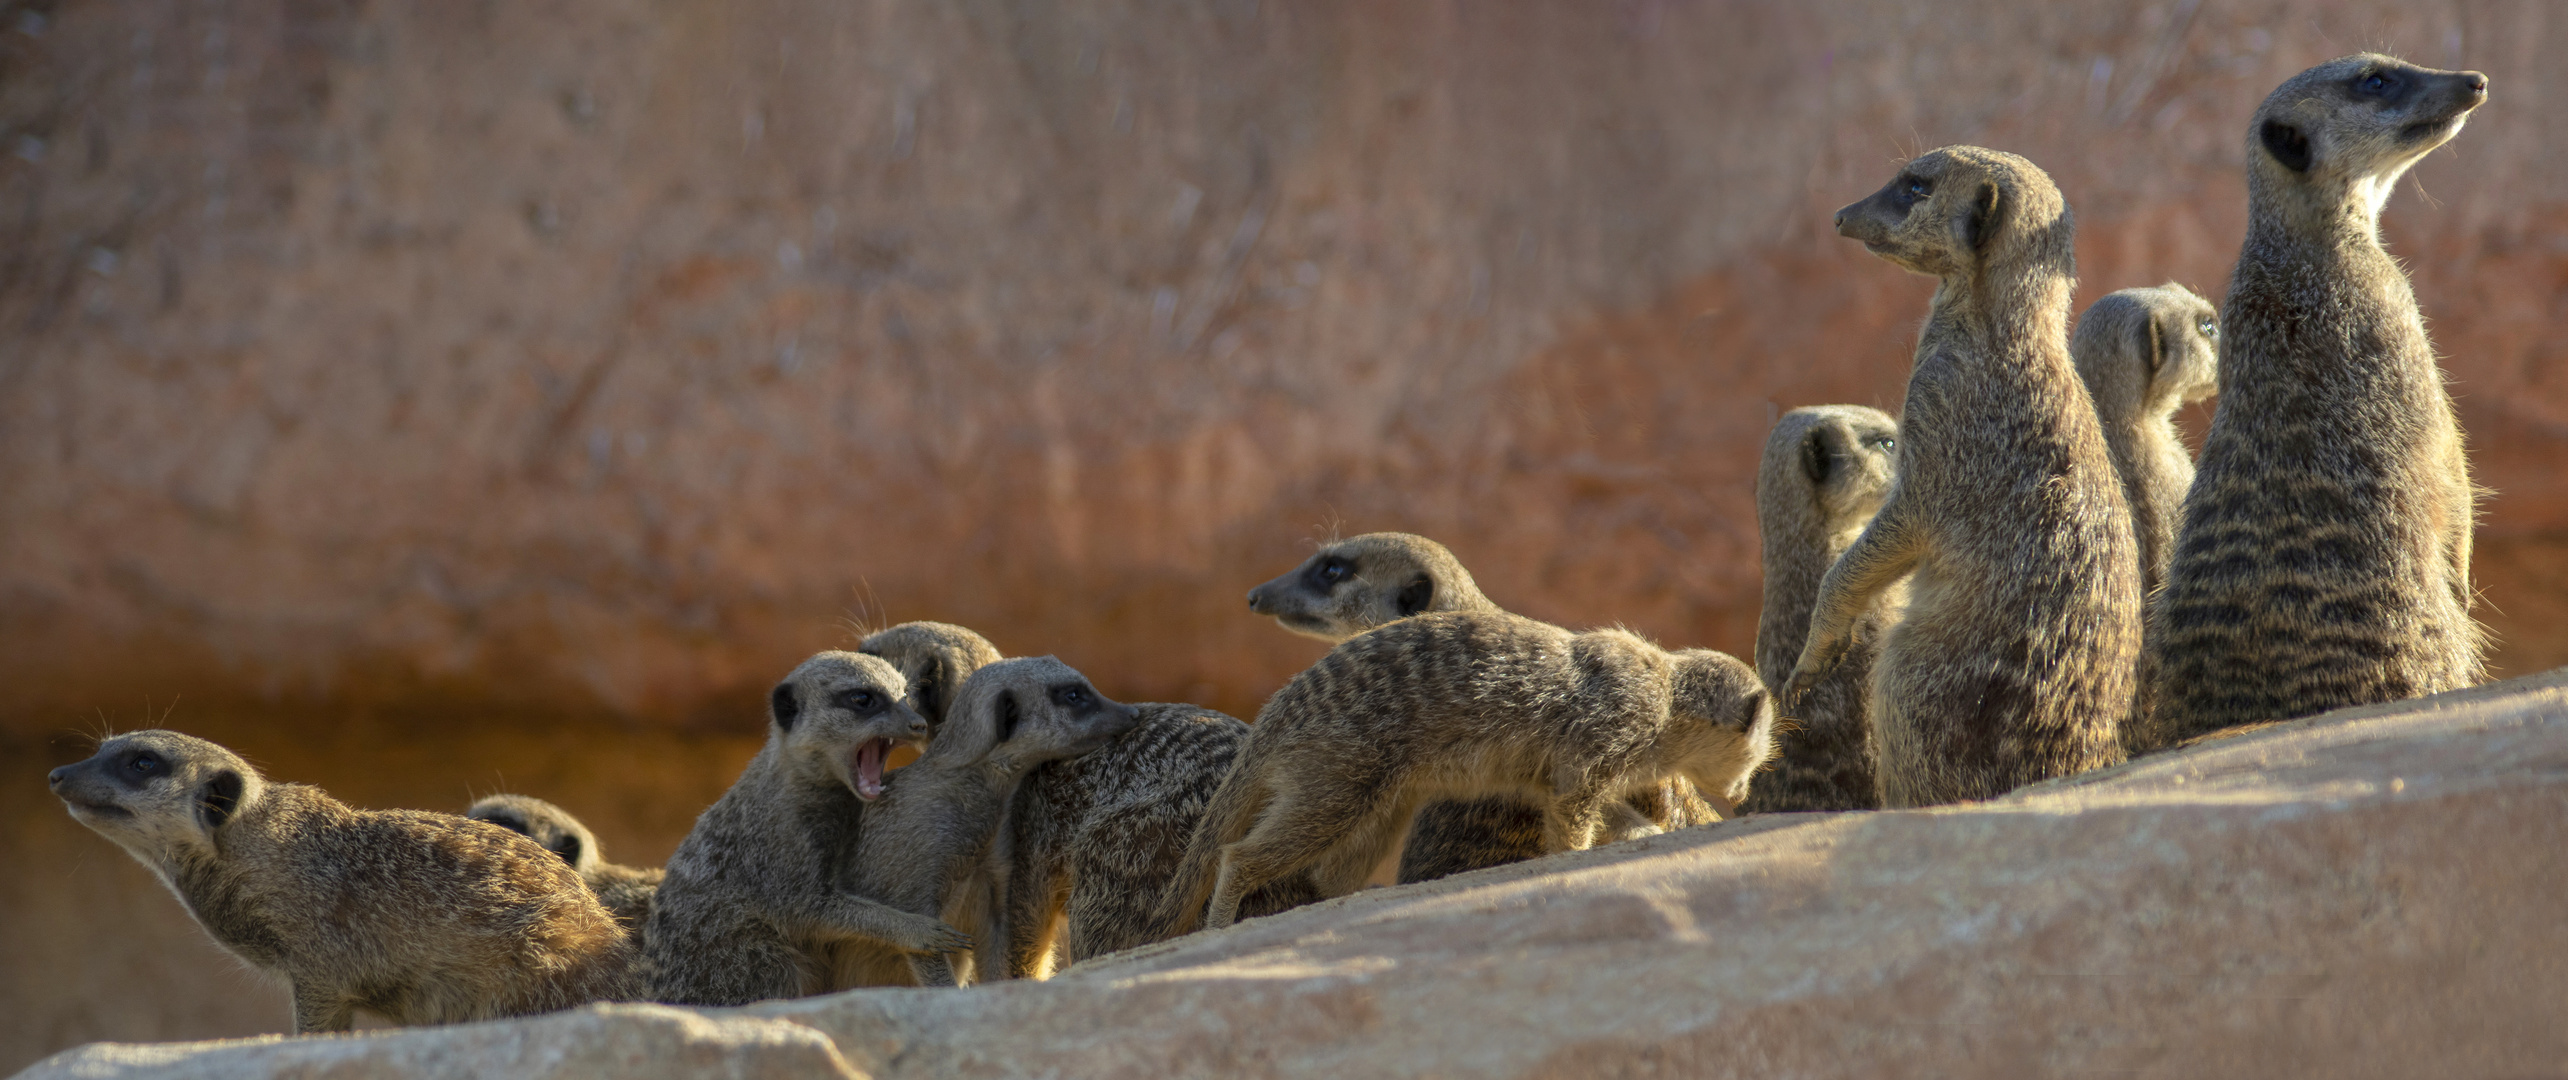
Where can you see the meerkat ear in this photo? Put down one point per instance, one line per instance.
(1979, 218)
(568, 847)
(783, 705)
(2153, 344)
(1416, 595)
(2288, 144)
(930, 697)
(1009, 715)
(219, 797)
(1816, 461)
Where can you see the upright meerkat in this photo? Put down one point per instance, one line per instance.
(625, 890)
(2014, 660)
(2324, 557)
(1825, 471)
(752, 907)
(417, 917)
(1093, 844)
(1462, 704)
(1354, 585)
(2144, 354)
(937, 817)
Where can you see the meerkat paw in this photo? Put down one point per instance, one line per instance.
(930, 935)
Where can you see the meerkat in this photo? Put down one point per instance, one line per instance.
(752, 908)
(935, 658)
(2014, 661)
(1825, 471)
(1462, 704)
(419, 918)
(625, 890)
(936, 819)
(1093, 843)
(2145, 353)
(1354, 585)
(2324, 555)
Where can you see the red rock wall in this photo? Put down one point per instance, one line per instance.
(492, 364)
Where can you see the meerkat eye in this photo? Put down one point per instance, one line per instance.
(1917, 189)
(2210, 327)
(1070, 697)
(860, 700)
(145, 764)
(1886, 443)
(2376, 83)
(1335, 570)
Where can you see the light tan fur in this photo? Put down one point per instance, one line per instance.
(1462, 705)
(417, 917)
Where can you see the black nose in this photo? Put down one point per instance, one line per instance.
(55, 778)
(2477, 83)
(1257, 599)
(1839, 221)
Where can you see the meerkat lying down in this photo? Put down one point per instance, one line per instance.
(418, 917)
(1463, 705)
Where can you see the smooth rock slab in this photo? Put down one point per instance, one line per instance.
(2377, 892)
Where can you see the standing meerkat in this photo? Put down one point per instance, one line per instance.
(752, 908)
(2145, 353)
(417, 917)
(1825, 472)
(2014, 660)
(1462, 704)
(2324, 556)
(936, 818)
(625, 890)
(1353, 585)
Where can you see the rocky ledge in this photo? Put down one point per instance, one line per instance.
(2375, 892)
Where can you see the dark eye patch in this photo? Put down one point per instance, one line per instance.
(1329, 571)
(861, 700)
(145, 764)
(1072, 696)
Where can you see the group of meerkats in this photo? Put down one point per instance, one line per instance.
(2024, 577)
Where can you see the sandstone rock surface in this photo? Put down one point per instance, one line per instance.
(2375, 892)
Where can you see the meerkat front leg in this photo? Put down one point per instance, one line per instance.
(1888, 550)
(856, 916)
(318, 1010)
(1571, 821)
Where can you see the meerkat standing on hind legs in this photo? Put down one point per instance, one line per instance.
(2324, 558)
(1353, 585)
(2014, 661)
(2144, 354)
(1461, 704)
(417, 917)
(1825, 471)
(937, 817)
(752, 908)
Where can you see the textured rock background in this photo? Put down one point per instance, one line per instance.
(2371, 894)
(430, 399)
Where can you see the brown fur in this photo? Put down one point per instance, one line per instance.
(417, 917)
(2145, 353)
(1353, 585)
(625, 890)
(1825, 471)
(935, 658)
(934, 826)
(2014, 661)
(1462, 704)
(753, 907)
(1095, 843)
(2324, 557)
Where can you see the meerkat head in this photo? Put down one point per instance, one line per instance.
(159, 795)
(1721, 721)
(2148, 352)
(839, 714)
(1958, 211)
(2337, 137)
(544, 823)
(935, 657)
(1834, 460)
(1353, 585)
(1032, 709)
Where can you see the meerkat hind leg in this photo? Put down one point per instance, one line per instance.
(317, 1010)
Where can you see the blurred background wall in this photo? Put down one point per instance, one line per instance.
(434, 399)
